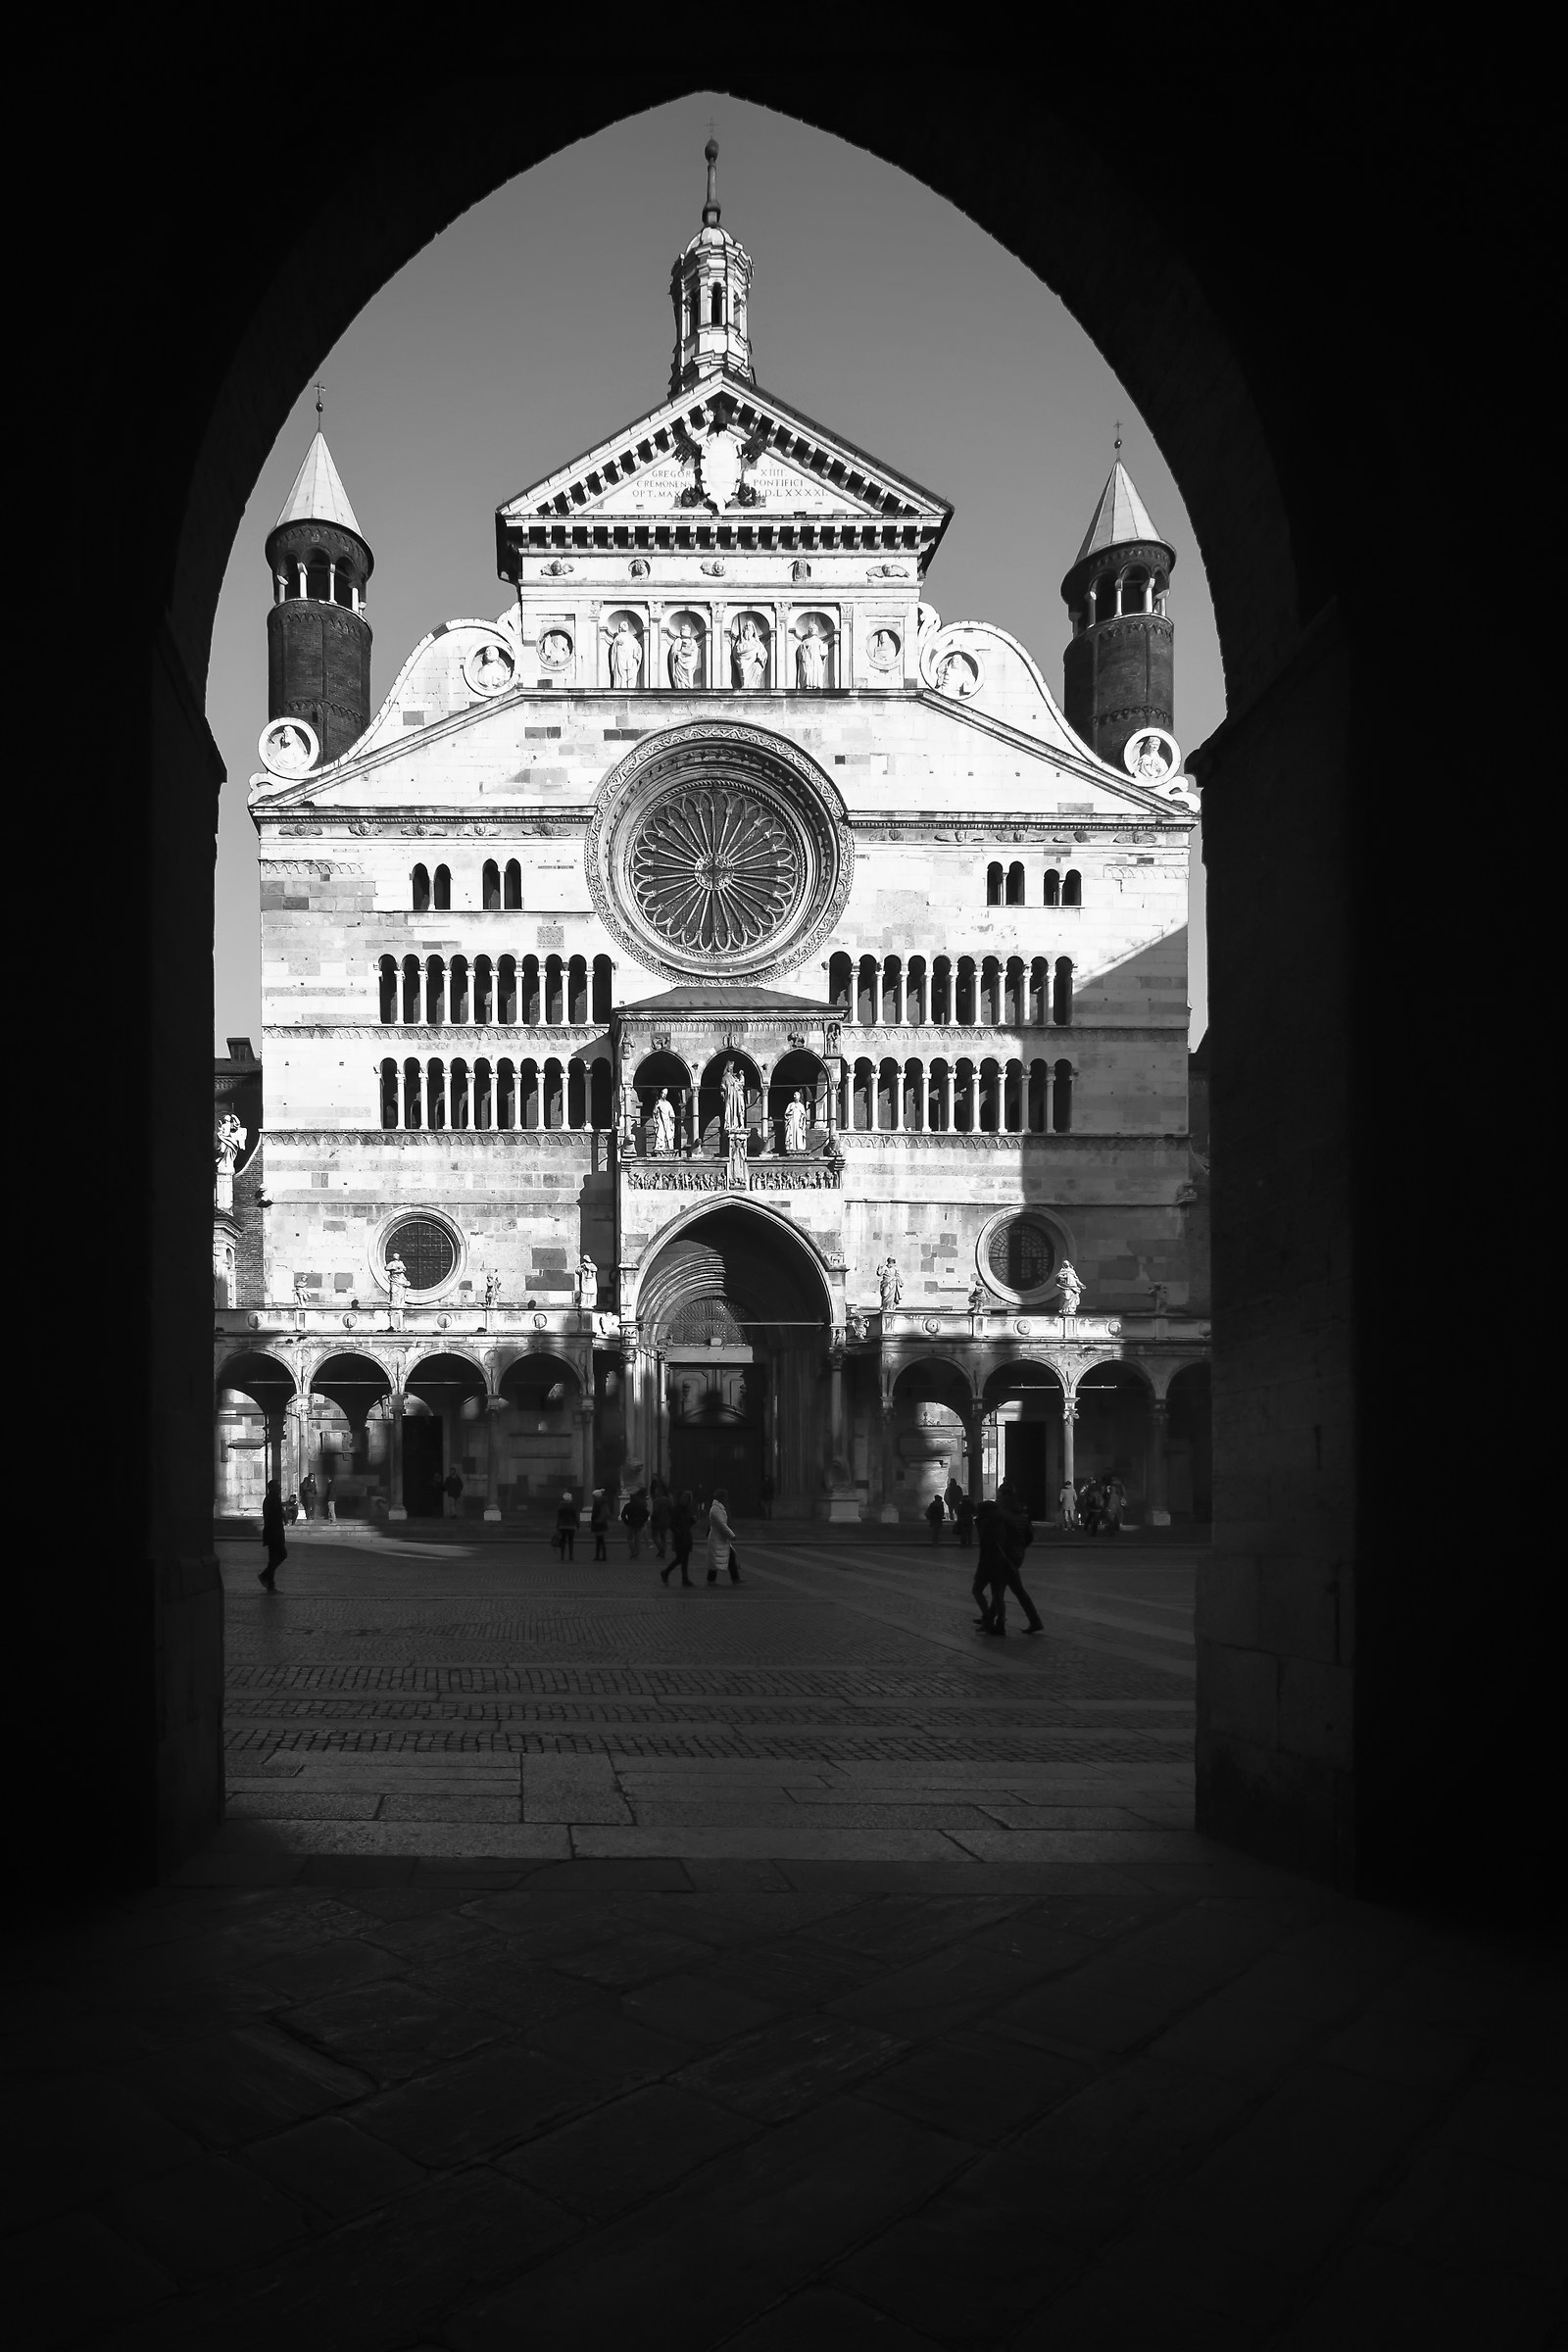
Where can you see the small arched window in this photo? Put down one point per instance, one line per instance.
(389, 1094)
(840, 979)
(343, 585)
(317, 578)
(993, 886)
(1061, 994)
(1016, 885)
(715, 307)
(1072, 889)
(511, 895)
(441, 893)
(420, 890)
(1061, 1103)
(491, 895)
(1053, 887)
(603, 981)
(388, 975)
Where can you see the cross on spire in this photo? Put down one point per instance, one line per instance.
(321, 403)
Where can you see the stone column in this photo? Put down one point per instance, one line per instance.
(1159, 1463)
(494, 1407)
(836, 1406)
(585, 1444)
(398, 1405)
(1069, 1415)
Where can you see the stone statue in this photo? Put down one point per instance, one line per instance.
(397, 1283)
(859, 1326)
(662, 1119)
(750, 656)
(956, 677)
(884, 649)
(891, 1285)
(492, 1287)
(685, 659)
(554, 648)
(492, 668)
(977, 1298)
(795, 1123)
(1154, 760)
(734, 1098)
(625, 657)
(229, 1139)
(1070, 1287)
(587, 1282)
(1160, 1297)
(810, 662)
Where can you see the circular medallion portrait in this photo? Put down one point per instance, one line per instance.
(718, 847)
(1152, 755)
(491, 666)
(289, 747)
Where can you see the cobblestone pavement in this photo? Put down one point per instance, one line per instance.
(1085, 2088)
(488, 1700)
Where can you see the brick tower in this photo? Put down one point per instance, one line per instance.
(317, 638)
(1119, 669)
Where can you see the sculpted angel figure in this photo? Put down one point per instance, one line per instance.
(1070, 1285)
(889, 1284)
(795, 1123)
(685, 659)
(661, 1121)
(734, 1097)
(626, 657)
(230, 1141)
(1154, 760)
(751, 657)
(810, 662)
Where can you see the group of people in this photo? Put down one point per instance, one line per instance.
(1005, 1532)
(669, 1521)
(1094, 1505)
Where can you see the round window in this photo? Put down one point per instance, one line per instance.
(1021, 1254)
(426, 1249)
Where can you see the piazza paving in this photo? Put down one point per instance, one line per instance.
(757, 1967)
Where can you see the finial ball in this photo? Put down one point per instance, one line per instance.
(712, 151)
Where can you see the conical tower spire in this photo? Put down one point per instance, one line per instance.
(710, 287)
(1119, 669)
(317, 637)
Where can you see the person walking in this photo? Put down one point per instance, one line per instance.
(307, 1495)
(936, 1511)
(952, 1496)
(1116, 1502)
(722, 1538)
(1015, 1535)
(1067, 1506)
(451, 1488)
(965, 1518)
(329, 1499)
(989, 1587)
(635, 1517)
(682, 1521)
(273, 1535)
(598, 1523)
(1089, 1506)
(567, 1526)
(659, 1507)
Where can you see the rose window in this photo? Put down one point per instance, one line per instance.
(714, 870)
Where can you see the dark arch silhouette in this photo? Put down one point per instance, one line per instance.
(1274, 415)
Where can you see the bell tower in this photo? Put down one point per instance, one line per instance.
(709, 286)
(1119, 669)
(317, 638)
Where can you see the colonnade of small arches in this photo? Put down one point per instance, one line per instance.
(510, 992)
(500, 886)
(988, 1097)
(489, 1092)
(1009, 886)
(1112, 595)
(966, 991)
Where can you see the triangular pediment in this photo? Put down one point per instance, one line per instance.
(725, 446)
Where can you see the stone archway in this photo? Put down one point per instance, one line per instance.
(1274, 417)
(734, 1315)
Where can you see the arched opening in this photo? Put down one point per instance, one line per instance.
(840, 979)
(420, 890)
(1073, 888)
(1061, 993)
(1024, 1435)
(436, 990)
(511, 891)
(441, 888)
(663, 1076)
(715, 306)
(254, 1433)
(805, 1074)
(1052, 886)
(388, 975)
(1188, 1448)
(1062, 1100)
(994, 885)
(351, 1452)
(442, 1439)
(722, 1116)
(538, 1435)
(736, 1306)
(1114, 1431)
(604, 982)
(931, 1439)
(490, 884)
(1015, 884)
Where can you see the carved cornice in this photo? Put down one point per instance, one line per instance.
(574, 1044)
(430, 823)
(550, 1139)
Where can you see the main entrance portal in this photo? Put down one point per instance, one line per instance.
(734, 1312)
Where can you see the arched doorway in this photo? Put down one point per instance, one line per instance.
(734, 1312)
(535, 1439)
(249, 1432)
(350, 1444)
(932, 1426)
(1024, 1403)
(1116, 1430)
(451, 1392)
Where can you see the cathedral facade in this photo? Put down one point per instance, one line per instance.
(720, 1021)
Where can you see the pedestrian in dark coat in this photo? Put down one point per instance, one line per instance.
(635, 1516)
(272, 1534)
(935, 1513)
(682, 1524)
(965, 1520)
(599, 1522)
(1017, 1534)
(952, 1496)
(990, 1569)
(567, 1526)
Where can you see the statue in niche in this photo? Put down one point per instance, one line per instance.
(811, 662)
(799, 570)
(885, 649)
(685, 659)
(750, 656)
(733, 1091)
(554, 648)
(229, 1139)
(795, 1124)
(891, 1285)
(639, 567)
(1153, 761)
(625, 657)
(397, 1283)
(587, 1282)
(1070, 1285)
(661, 1123)
(957, 676)
(492, 1287)
(1160, 1297)
(858, 1327)
(977, 1298)
(492, 668)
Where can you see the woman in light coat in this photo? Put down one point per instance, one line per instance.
(720, 1538)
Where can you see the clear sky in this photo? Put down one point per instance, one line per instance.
(541, 322)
